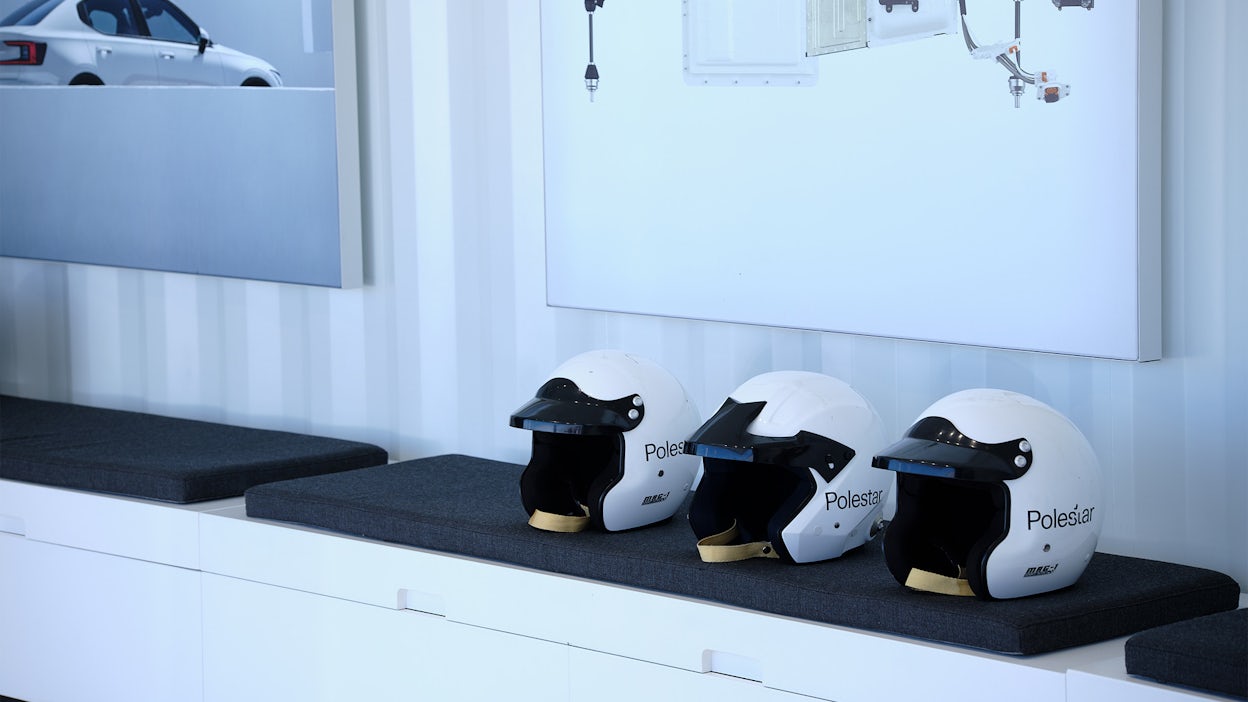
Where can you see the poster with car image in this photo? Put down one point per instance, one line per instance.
(197, 136)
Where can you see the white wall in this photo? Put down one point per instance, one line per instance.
(451, 332)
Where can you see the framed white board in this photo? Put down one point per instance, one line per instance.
(208, 178)
(892, 190)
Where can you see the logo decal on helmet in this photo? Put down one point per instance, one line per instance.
(665, 450)
(655, 499)
(1040, 570)
(1060, 520)
(854, 500)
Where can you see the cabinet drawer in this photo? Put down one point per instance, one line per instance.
(85, 626)
(263, 642)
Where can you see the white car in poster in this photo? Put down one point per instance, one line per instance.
(118, 42)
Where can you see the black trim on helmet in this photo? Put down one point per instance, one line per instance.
(570, 474)
(726, 435)
(760, 499)
(561, 407)
(947, 527)
(933, 446)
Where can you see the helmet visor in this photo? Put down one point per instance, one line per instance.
(561, 407)
(726, 435)
(933, 446)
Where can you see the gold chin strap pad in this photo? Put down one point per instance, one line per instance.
(563, 523)
(940, 584)
(718, 548)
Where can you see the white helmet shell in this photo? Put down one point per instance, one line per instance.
(609, 433)
(787, 472)
(999, 496)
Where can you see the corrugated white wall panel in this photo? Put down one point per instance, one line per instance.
(451, 331)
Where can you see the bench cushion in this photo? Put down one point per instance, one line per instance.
(1208, 653)
(156, 457)
(441, 503)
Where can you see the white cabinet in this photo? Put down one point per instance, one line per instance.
(808, 658)
(123, 526)
(99, 596)
(263, 642)
(79, 626)
(105, 598)
(603, 677)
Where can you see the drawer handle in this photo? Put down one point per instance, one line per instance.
(420, 601)
(733, 664)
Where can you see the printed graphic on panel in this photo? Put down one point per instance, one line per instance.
(841, 25)
(119, 42)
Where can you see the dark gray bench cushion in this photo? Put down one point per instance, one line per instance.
(157, 457)
(1208, 653)
(471, 506)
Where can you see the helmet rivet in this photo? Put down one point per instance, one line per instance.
(1020, 461)
(1024, 446)
(1047, 547)
(633, 414)
(637, 401)
(660, 474)
(837, 525)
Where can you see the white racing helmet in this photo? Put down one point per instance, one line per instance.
(786, 471)
(609, 433)
(998, 496)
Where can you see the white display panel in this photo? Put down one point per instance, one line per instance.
(902, 195)
(186, 171)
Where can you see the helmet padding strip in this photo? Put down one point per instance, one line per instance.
(562, 523)
(941, 584)
(719, 548)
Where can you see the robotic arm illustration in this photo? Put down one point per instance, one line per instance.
(591, 71)
(835, 26)
(1009, 55)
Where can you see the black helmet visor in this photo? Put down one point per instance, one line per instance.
(933, 446)
(725, 435)
(561, 407)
